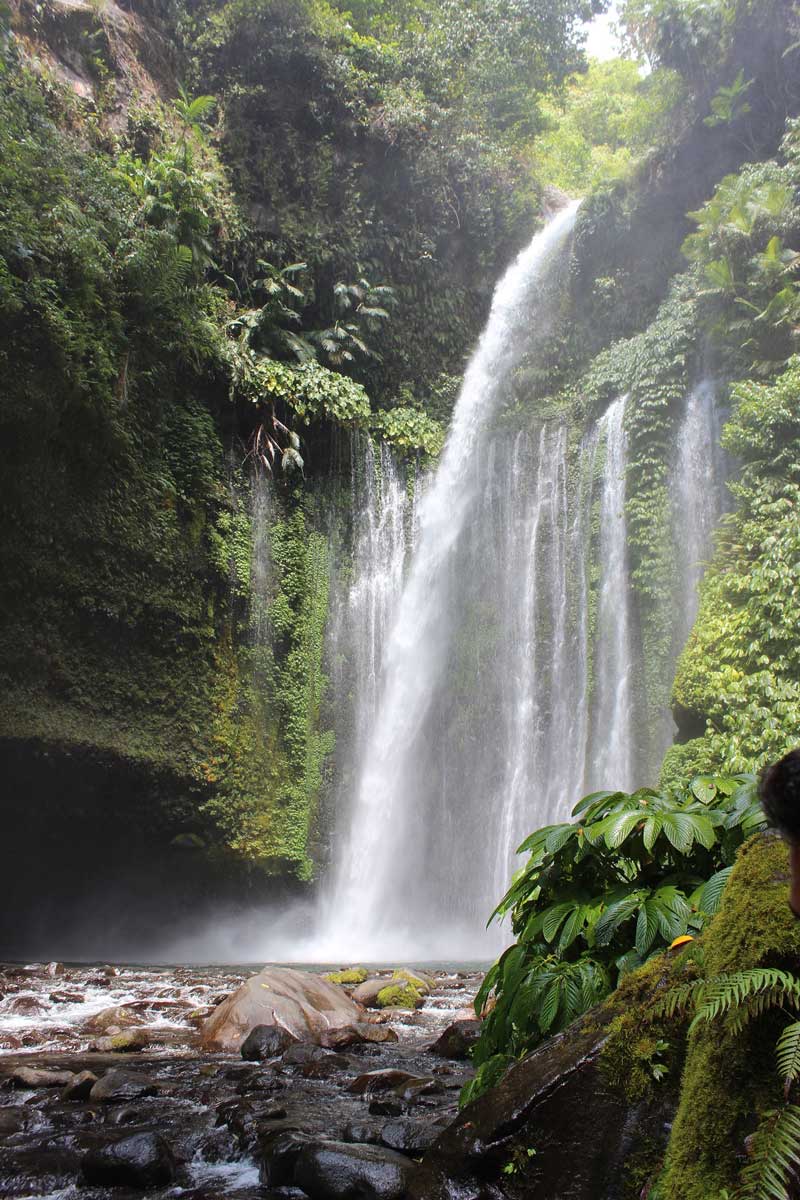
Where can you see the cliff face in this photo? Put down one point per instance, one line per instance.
(142, 702)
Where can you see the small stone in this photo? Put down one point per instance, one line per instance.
(79, 1086)
(266, 1041)
(143, 1160)
(386, 1108)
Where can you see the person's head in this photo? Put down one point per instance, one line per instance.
(779, 790)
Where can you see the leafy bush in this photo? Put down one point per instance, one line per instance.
(601, 895)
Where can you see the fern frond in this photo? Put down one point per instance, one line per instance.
(775, 1156)
(678, 999)
(728, 992)
(788, 1053)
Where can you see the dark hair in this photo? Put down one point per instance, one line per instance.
(779, 790)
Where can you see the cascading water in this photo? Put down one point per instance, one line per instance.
(499, 682)
(388, 870)
(364, 608)
(698, 497)
(612, 755)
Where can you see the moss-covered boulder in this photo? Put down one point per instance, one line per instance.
(730, 1076)
(399, 995)
(349, 977)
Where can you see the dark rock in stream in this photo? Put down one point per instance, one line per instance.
(457, 1040)
(143, 1160)
(122, 1085)
(342, 1171)
(279, 1155)
(80, 1086)
(34, 1077)
(266, 1041)
(380, 1081)
(409, 1137)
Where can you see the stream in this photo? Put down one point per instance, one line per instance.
(214, 1111)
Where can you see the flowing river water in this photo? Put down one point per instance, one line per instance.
(215, 1111)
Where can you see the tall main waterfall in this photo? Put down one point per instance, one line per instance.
(402, 857)
(485, 649)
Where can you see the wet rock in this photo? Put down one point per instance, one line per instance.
(303, 1003)
(386, 1108)
(549, 1100)
(367, 992)
(79, 1086)
(124, 1042)
(380, 1081)
(13, 1119)
(143, 1160)
(117, 1085)
(34, 1077)
(409, 1137)
(341, 1171)
(326, 1068)
(304, 1052)
(266, 1041)
(66, 997)
(272, 1112)
(117, 1017)
(278, 1157)
(54, 968)
(417, 1089)
(457, 1040)
(341, 1039)
(362, 1132)
(379, 1033)
(26, 1006)
(240, 1118)
(125, 1114)
(9, 1042)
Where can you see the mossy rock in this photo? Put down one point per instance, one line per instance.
(420, 982)
(397, 995)
(352, 975)
(730, 1078)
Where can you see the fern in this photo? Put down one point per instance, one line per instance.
(788, 1053)
(775, 1156)
(758, 989)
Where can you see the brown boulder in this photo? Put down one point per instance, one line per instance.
(304, 1004)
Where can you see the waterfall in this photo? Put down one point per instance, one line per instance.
(365, 603)
(698, 497)
(612, 760)
(391, 869)
(499, 680)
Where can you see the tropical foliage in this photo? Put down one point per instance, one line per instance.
(601, 895)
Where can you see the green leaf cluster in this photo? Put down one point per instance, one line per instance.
(600, 896)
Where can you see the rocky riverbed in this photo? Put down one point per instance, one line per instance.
(105, 1090)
